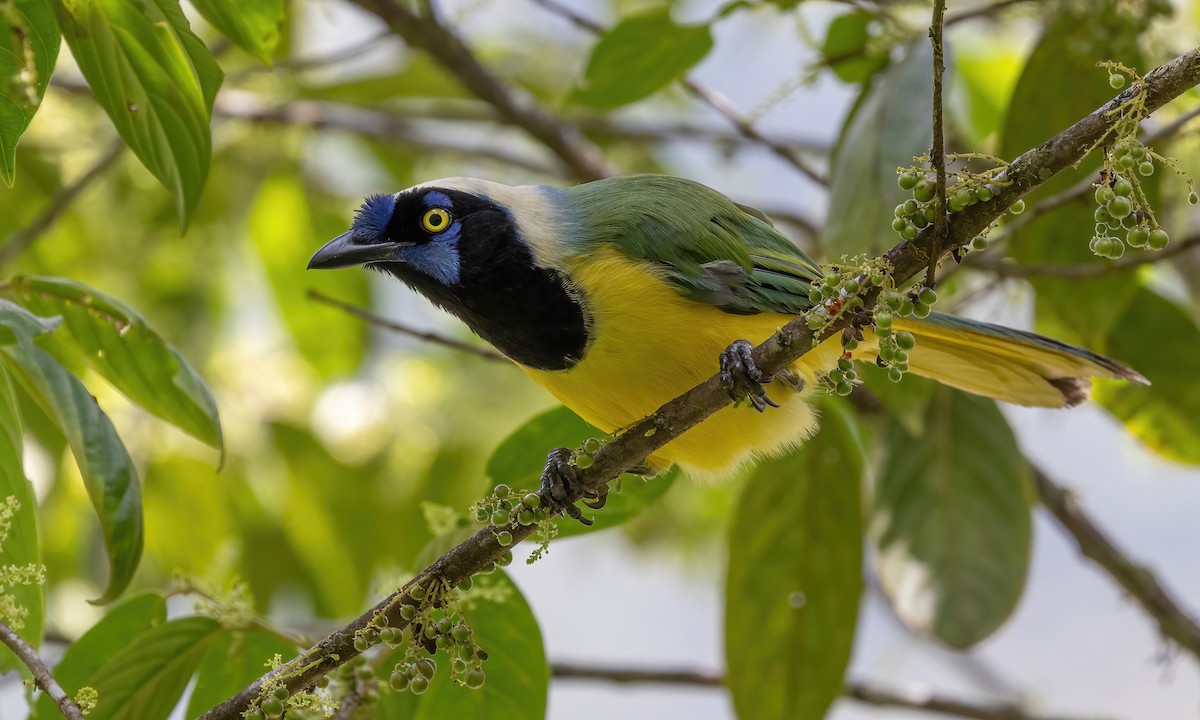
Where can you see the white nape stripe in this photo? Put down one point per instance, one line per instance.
(535, 209)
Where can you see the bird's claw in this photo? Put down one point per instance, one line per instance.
(560, 486)
(742, 378)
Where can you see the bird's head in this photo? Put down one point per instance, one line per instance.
(439, 232)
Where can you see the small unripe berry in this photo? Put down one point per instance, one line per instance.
(907, 181)
(1138, 237)
(1120, 207)
(417, 592)
(920, 310)
(583, 461)
(895, 375)
(506, 559)
(1105, 194)
(983, 193)
(1146, 168)
(1116, 81)
(426, 667)
(408, 612)
(979, 242)
(525, 517)
(927, 295)
(281, 693)
(899, 224)
(418, 685)
(1193, 199)
(272, 707)
(909, 232)
(399, 681)
(460, 633)
(499, 517)
(923, 191)
(505, 538)
(256, 714)
(1122, 187)
(361, 644)
(474, 678)
(1017, 208)
(906, 340)
(500, 491)
(531, 500)
(1158, 239)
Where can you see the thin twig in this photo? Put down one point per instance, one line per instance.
(630, 448)
(857, 691)
(937, 150)
(406, 330)
(1140, 583)
(20, 240)
(708, 96)
(424, 32)
(41, 674)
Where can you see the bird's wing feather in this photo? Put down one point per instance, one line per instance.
(713, 250)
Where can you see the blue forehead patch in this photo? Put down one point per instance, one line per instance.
(434, 198)
(371, 220)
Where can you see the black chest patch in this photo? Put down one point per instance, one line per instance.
(524, 311)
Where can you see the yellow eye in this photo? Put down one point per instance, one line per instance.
(435, 220)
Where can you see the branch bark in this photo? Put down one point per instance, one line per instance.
(642, 439)
(937, 150)
(41, 674)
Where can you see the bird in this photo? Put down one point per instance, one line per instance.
(620, 294)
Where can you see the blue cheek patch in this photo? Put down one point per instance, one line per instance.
(437, 258)
(433, 198)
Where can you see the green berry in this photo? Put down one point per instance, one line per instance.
(505, 538)
(419, 685)
(1122, 187)
(851, 286)
(909, 232)
(426, 667)
(444, 625)
(408, 612)
(399, 681)
(1102, 215)
(361, 644)
(927, 295)
(474, 678)
(1017, 208)
(481, 515)
(532, 500)
(906, 340)
(506, 559)
(1117, 250)
(920, 310)
(281, 693)
(1138, 237)
(525, 517)
(979, 242)
(1105, 194)
(907, 181)
(1120, 207)
(899, 224)
(272, 707)
(895, 375)
(466, 584)
(983, 193)
(1103, 246)
(900, 212)
(1146, 168)
(883, 320)
(1116, 81)
(500, 517)
(920, 222)
(256, 714)
(845, 364)
(924, 191)
(583, 461)
(963, 198)
(1158, 239)
(390, 635)
(430, 631)
(910, 207)
(460, 633)
(500, 491)
(459, 666)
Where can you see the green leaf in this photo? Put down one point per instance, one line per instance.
(108, 473)
(253, 24)
(29, 43)
(639, 56)
(1060, 84)
(17, 323)
(518, 463)
(420, 77)
(951, 520)
(108, 336)
(19, 547)
(156, 81)
(1161, 340)
(845, 50)
(518, 677)
(891, 124)
(116, 631)
(147, 678)
(232, 662)
(795, 577)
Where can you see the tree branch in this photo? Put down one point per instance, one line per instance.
(857, 691)
(20, 240)
(406, 330)
(1140, 583)
(937, 149)
(577, 153)
(41, 674)
(639, 441)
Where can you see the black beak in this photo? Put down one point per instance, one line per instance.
(343, 251)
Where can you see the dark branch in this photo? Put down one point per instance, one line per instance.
(635, 444)
(937, 150)
(41, 674)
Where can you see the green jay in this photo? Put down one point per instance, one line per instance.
(621, 294)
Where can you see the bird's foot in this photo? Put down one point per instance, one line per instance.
(742, 378)
(560, 486)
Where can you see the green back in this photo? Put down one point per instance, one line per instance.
(714, 250)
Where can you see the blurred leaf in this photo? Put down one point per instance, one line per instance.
(147, 678)
(951, 520)
(518, 462)
(19, 547)
(1059, 85)
(29, 43)
(891, 124)
(420, 77)
(253, 24)
(518, 677)
(845, 50)
(905, 401)
(108, 336)
(116, 631)
(18, 324)
(639, 56)
(156, 81)
(795, 576)
(285, 233)
(1159, 339)
(234, 661)
(108, 473)
(985, 74)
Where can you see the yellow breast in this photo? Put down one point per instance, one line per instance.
(650, 344)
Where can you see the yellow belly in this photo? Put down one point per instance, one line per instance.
(650, 344)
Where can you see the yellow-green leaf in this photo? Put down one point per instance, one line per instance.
(253, 24)
(29, 43)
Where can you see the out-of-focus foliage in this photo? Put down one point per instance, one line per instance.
(349, 456)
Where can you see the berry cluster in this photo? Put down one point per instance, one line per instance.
(502, 507)
(894, 347)
(1122, 208)
(962, 191)
(839, 291)
(841, 379)
(447, 630)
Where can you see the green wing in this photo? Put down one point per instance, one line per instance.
(714, 250)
